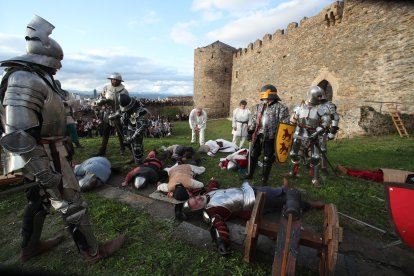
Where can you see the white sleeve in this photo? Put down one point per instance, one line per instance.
(196, 184)
(197, 170)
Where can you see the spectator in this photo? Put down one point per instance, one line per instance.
(198, 124)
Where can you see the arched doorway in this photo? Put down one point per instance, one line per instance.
(325, 85)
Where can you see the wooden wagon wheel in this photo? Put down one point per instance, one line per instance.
(331, 237)
(252, 227)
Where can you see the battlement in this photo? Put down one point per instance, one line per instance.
(329, 16)
(357, 51)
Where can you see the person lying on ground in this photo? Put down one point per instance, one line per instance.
(93, 172)
(236, 161)
(223, 204)
(181, 154)
(150, 171)
(182, 175)
(211, 147)
(380, 175)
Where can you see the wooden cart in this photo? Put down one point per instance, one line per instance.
(289, 236)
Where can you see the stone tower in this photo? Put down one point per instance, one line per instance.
(212, 78)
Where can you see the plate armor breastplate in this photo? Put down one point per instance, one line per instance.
(309, 117)
(233, 199)
(54, 116)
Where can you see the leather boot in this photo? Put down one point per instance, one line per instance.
(41, 247)
(32, 246)
(106, 249)
(266, 173)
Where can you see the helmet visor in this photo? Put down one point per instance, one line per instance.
(268, 95)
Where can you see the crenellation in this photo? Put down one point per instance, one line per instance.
(267, 38)
(292, 26)
(304, 21)
(334, 13)
(278, 33)
(359, 52)
(257, 45)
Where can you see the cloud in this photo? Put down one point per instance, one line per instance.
(241, 31)
(91, 69)
(181, 34)
(150, 17)
(11, 46)
(212, 15)
(232, 6)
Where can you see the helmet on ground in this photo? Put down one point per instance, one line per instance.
(126, 102)
(139, 182)
(269, 92)
(40, 48)
(231, 166)
(88, 182)
(315, 94)
(115, 76)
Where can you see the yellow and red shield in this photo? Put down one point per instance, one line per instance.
(283, 141)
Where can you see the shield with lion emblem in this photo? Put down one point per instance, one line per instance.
(283, 141)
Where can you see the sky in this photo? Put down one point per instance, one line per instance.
(149, 42)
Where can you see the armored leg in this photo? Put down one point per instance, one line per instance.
(138, 149)
(315, 164)
(33, 220)
(295, 154)
(75, 215)
(267, 167)
(323, 146)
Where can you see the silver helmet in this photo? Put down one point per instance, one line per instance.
(40, 48)
(88, 182)
(126, 103)
(139, 181)
(231, 166)
(315, 94)
(115, 76)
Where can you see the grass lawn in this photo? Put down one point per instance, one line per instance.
(151, 248)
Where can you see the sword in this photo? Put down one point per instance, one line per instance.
(248, 160)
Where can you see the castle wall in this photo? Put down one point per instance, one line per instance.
(212, 78)
(367, 55)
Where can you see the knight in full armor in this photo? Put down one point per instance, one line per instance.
(109, 99)
(262, 130)
(223, 204)
(132, 115)
(331, 131)
(34, 120)
(312, 120)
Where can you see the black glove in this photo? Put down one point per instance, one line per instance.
(223, 248)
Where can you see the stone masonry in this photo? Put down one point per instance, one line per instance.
(361, 52)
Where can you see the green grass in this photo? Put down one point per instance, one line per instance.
(151, 248)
